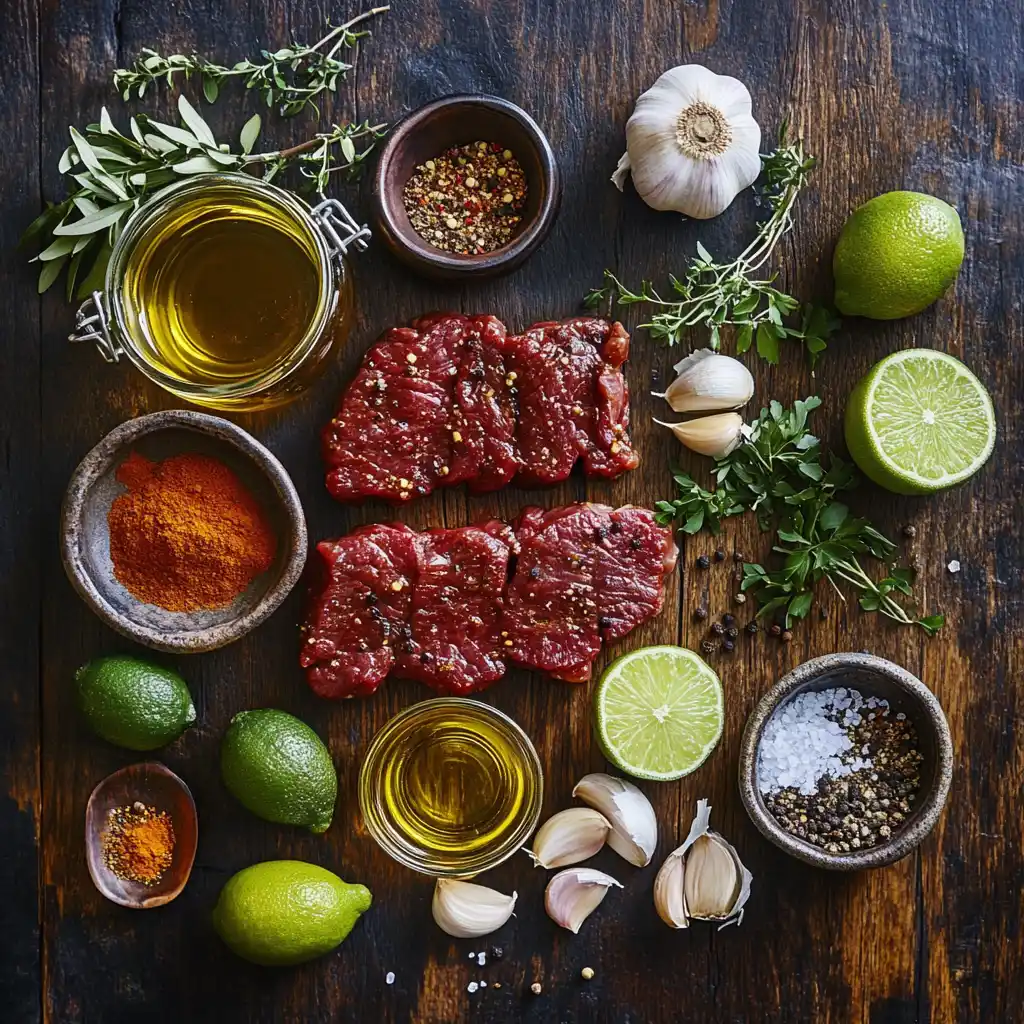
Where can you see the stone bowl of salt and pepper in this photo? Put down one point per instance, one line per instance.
(846, 762)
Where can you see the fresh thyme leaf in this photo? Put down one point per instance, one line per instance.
(290, 77)
(114, 173)
(780, 474)
(713, 295)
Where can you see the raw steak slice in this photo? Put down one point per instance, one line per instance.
(359, 616)
(635, 555)
(483, 440)
(391, 438)
(573, 399)
(456, 646)
(551, 610)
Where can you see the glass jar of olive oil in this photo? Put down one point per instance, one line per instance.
(227, 291)
(451, 787)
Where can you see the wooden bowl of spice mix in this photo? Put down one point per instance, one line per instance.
(466, 186)
(141, 831)
(846, 762)
(182, 531)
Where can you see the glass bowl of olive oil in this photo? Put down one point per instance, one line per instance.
(451, 787)
(226, 291)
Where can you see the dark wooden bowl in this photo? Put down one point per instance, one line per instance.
(872, 676)
(155, 786)
(85, 537)
(455, 121)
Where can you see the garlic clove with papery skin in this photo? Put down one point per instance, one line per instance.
(634, 833)
(707, 381)
(669, 900)
(710, 435)
(569, 837)
(692, 143)
(574, 894)
(467, 911)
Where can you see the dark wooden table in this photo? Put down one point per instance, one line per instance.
(902, 95)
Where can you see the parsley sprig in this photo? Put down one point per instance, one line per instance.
(290, 77)
(735, 293)
(780, 474)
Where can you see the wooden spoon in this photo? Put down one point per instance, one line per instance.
(155, 786)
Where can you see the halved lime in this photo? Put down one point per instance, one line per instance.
(659, 712)
(919, 421)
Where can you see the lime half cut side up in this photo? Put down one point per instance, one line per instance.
(919, 422)
(659, 712)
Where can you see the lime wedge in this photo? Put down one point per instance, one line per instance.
(919, 421)
(658, 712)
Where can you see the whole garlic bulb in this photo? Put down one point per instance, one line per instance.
(691, 142)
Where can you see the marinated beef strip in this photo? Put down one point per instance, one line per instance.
(392, 436)
(359, 617)
(573, 400)
(484, 449)
(455, 644)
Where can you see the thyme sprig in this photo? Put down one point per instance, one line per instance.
(780, 474)
(736, 293)
(290, 77)
(113, 173)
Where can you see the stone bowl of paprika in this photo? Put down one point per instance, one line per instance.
(182, 532)
(141, 831)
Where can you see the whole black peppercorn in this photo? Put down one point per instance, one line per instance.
(700, 614)
(732, 632)
(787, 636)
(776, 629)
(719, 555)
(717, 628)
(728, 645)
(703, 561)
(497, 952)
(728, 619)
(751, 626)
(909, 530)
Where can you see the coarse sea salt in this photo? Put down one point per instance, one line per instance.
(807, 739)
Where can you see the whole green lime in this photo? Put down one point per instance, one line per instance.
(279, 769)
(896, 255)
(284, 912)
(134, 703)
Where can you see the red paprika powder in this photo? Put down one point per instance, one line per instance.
(186, 535)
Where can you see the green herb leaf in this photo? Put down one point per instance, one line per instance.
(250, 133)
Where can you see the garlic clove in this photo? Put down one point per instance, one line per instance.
(669, 900)
(466, 910)
(574, 894)
(710, 435)
(634, 833)
(569, 837)
(703, 880)
(707, 380)
(691, 142)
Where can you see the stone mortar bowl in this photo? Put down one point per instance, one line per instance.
(85, 538)
(872, 676)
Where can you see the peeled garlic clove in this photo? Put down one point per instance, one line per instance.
(467, 910)
(568, 837)
(572, 895)
(708, 380)
(634, 826)
(704, 879)
(669, 900)
(710, 435)
(691, 143)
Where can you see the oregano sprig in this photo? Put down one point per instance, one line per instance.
(290, 77)
(779, 473)
(113, 173)
(714, 295)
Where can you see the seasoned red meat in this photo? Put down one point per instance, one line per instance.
(361, 613)
(585, 572)
(483, 440)
(573, 399)
(391, 438)
(456, 646)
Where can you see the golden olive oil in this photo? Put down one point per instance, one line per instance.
(223, 289)
(451, 786)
